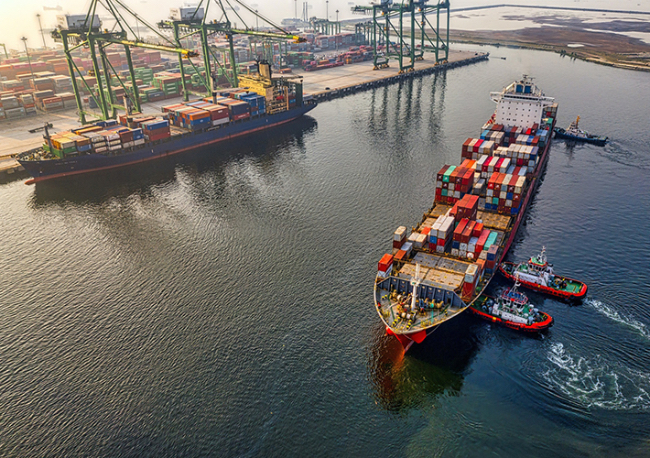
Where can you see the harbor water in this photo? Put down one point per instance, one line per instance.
(220, 303)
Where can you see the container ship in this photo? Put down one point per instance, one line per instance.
(437, 269)
(260, 103)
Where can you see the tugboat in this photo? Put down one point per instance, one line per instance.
(513, 310)
(573, 132)
(537, 274)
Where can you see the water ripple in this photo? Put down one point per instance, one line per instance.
(596, 382)
(614, 315)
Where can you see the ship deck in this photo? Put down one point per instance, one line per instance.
(390, 309)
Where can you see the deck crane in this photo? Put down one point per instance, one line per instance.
(86, 31)
(386, 13)
(194, 21)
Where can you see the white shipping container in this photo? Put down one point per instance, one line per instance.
(218, 122)
(399, 234)
(455, 252)
(470, 273)
(440, 249)
(421, 240)
(138, 142)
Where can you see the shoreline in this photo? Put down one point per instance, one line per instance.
(592, 53)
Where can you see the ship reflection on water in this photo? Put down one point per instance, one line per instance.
(437, 367)
(140, 179)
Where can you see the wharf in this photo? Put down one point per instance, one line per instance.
(346, 79)
(321, 85)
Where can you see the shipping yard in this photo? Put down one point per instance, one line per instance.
(37, 89)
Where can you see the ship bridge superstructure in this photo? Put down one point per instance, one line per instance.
(520, 104)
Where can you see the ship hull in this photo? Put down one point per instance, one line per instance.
(61, 168)
(408, 339)
(562, 294)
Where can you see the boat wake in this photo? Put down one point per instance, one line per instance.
(612, 314)
(597, 382)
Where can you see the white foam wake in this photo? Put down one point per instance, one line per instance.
(596, 382)
(613, 314)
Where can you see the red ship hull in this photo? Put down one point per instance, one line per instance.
(528, 328)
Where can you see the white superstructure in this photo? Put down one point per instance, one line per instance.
(520, 104)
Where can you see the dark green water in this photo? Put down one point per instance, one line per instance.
(221, 304)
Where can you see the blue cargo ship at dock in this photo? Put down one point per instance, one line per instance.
(265, 103)
(180, 141)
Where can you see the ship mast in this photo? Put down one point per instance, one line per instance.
(415, 282)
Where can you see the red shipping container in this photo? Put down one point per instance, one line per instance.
(441, 242)
(442, 171)
(467, 232)
(460, 228)
(454, 209)
(425, 230)
(477, 230)
(385, 262)
(218, 112)
(468, 289)
(126, 136)
(241, 116)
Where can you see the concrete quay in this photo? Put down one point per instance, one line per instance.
(347, 79)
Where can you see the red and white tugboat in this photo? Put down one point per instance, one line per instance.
(537, 274)
(512, 309)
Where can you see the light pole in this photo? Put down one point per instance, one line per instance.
(337, 22)
(29, 61)
(38, 16)
(256, 25)
(327, 9)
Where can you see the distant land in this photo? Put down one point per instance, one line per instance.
(603, 42)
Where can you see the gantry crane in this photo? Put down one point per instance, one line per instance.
(85, 31)
(195, 22)
(384, 15)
